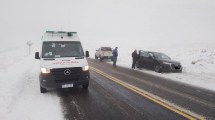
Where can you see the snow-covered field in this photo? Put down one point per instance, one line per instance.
(20, 97)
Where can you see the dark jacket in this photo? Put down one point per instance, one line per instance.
(134, 55)
(115, 53)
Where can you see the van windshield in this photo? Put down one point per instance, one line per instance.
(62, 49)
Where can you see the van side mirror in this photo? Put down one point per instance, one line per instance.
(87, 54)
(37, 56)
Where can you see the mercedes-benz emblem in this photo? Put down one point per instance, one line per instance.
(67, 72)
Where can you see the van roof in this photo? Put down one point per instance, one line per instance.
(60, 36)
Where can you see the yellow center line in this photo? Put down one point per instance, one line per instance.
(177, 109)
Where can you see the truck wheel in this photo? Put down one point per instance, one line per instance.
(101, 58)
(96, 57)
(43, 90)
(85, 86)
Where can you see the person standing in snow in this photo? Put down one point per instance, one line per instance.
(115, 55)
(134, 59)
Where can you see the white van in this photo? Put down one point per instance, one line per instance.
(62, 61)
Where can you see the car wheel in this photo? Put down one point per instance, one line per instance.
(158, 68)
(85, 86)
(43, 90)
(101, 58)
(96, 57)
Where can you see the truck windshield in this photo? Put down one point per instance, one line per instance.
(106, 49)
(62, 49)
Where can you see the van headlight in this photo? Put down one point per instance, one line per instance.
(85, 68)
(45, 70)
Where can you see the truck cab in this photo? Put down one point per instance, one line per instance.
(63, 62)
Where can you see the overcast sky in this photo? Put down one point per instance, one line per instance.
(110, 22)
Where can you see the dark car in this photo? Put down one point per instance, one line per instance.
(157, 61)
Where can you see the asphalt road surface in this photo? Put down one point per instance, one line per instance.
(124, 94)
